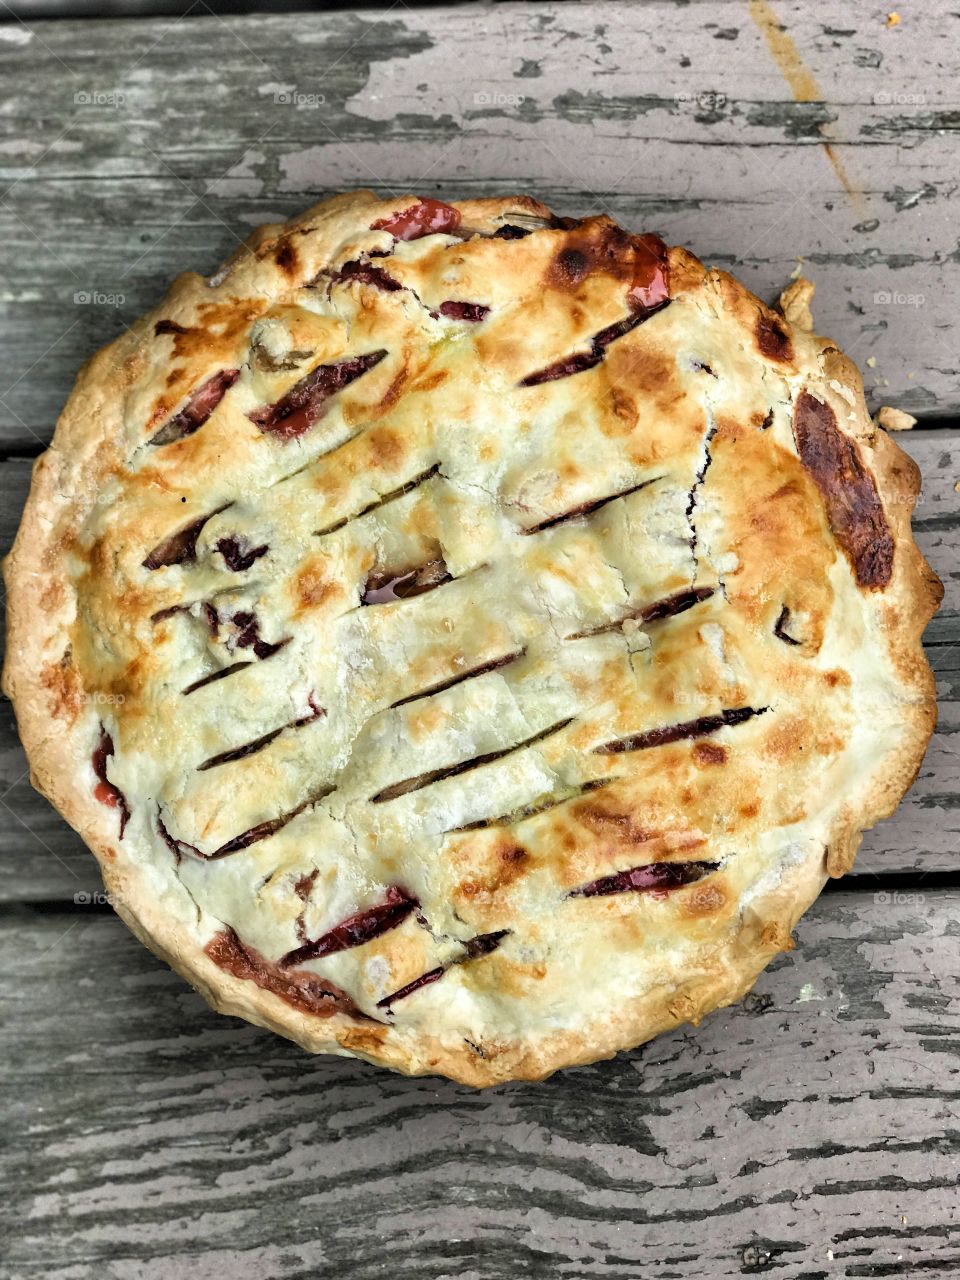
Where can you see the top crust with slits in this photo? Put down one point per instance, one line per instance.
(468, 638)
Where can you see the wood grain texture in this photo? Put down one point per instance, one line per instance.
(147, 1139)
(42, 859)
(122, 165)
(810, 1132)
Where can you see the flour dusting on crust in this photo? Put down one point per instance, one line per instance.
(466, 637)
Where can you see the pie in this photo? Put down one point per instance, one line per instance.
(468, 638)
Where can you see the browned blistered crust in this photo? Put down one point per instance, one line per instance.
(83, 649)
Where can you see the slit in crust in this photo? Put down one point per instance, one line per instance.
(357, 929)
(532, 810)
(581, 361)
(180, 547)
(400, 492)
(668, 607)
(698, 728)
(305, 403)
(481, 945)
(105, 791)
(253, 835)
(199, 407)
(656, 878)
(493, 665)
(397, 789)
(258, 744)
(386, 587)
(587, 508)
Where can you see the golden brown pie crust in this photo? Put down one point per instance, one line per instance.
(462, 645)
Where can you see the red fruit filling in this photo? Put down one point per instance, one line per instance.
(425, 218)
(304, 991)
(651, 279)
(658, 879)
(304, 404)
(357, 929)
(105, 791)
(198, 408)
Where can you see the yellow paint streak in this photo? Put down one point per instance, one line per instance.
(802, 85)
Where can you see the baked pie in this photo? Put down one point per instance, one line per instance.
(469, 638)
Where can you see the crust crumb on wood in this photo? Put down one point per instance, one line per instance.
(795, 302)
(895, 419)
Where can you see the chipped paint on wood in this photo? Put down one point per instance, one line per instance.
(155, 1139)
(131, 168)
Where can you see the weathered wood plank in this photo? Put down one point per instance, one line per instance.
(811, 1130)
(41, 858)
(122, 166)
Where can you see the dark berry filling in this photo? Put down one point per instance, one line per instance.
(247, 636)
(470, 311)
(238, 554)
(677, 732)
(179, 548)
(366, 273)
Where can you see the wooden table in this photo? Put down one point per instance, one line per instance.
(813, 1130)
